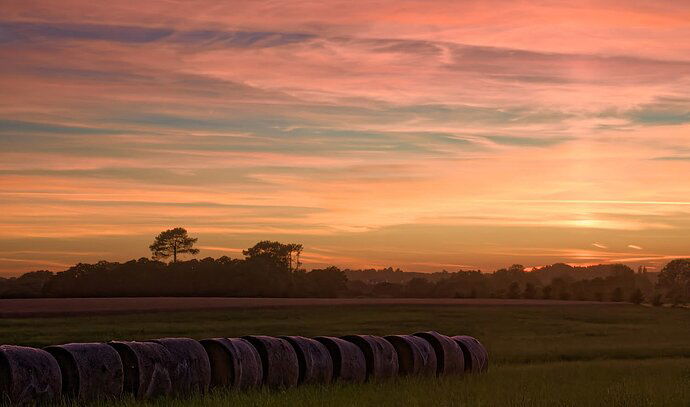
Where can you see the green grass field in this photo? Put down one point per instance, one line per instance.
(586, 355)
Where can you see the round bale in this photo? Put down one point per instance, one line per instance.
(349, 363)
(415, 355)
(448, 354)
(28, 376)
(147, 368)
(90, 371)
(278, 360)
(315, 362)
(476, 356)
(380, 356)
(191, 369)
(234, 363)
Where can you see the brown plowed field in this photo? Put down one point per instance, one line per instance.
(12, 308)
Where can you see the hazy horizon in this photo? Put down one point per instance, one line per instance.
(419, 135)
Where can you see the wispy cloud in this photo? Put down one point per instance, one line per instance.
(34, 262)
(18, 31)
(334, 124)
(673, 158)
(221, 249)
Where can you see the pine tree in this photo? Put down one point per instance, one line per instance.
(171, 243)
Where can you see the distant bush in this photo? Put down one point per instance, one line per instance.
(637, 297)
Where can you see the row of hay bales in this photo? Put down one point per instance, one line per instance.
(182, 366)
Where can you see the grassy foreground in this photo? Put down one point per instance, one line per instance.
(608, 355)
(600, 383)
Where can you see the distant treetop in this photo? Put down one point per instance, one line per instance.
(171, 243)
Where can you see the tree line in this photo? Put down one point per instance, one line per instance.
(273, 269)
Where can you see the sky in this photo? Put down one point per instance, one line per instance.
(424, 135)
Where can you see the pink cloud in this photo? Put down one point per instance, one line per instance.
(332, 120)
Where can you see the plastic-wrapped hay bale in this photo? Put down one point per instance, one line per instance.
(349, 363)
(476, 356)
(315, 362)
(90, 371)
(234, 363)
(416, 356)
(147, 368)
(278, 360)
(28, 376)
(191, 369)
(449, 356)
(380, 355)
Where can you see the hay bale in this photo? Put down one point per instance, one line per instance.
(448, 354)
(476, 356)
(191, 371)
(315, 362)
(90, 371)
(28, 376)
(278, 360)
(147, 368)
(349, 363)
(416, 356)
(380, 355)
(234, 363)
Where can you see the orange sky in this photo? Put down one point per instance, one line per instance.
(421, 135)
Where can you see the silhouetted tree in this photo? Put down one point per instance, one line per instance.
(560, 287)
(656, 300)
(328, 282)
(25, 286)
(637, 297)
(617, 294)
(514, 290)
(271, 269)
(285, 256)
(171, 243)
(547, 292)
(358, 288)
(579, 293)
(389, 290)
(530, 291)
(419, 288)
(674, 279)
